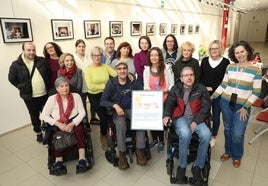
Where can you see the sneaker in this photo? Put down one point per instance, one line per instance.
(39, 138)
(153, 145)
(160, 147)
(212, 142)
(59, 168)
(81, 167)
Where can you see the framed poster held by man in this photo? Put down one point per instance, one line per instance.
(147, 110)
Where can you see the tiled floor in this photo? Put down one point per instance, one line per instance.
(23, 162)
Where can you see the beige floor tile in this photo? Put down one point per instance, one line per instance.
(36, 180)
(259, 181)
(262, 168)
(234, 176)
(21, 173)
(9, 163)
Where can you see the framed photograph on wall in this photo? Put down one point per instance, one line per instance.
(182, 29)
(174, 29)
(16, 30)
(150, 29)
(163, 29)
(116, 28)
(62, 29)
(190, 29)
(196, 29)
(92, 28)
(135, 28)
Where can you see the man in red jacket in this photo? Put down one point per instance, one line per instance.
(188, 105)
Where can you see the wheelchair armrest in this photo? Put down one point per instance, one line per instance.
(44, 126)
(109, 111)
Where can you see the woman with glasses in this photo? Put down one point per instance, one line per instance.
(52, 52)
(186, 59)
(96, 76)
(170, 49)
(212, 73)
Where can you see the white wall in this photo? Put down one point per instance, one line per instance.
(260, 31)
(13, 111)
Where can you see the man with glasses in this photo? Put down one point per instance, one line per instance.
(117, 95)
(188, 105)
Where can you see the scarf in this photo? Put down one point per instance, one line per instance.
(68, 74)
(64, 116)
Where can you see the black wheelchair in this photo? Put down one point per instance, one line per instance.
(173, 151)
(71, 154)
(110, 154)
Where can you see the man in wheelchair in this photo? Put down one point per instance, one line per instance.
(117, 95)
(188, 105)
(64, 111)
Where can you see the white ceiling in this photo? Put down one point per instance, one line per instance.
(251, 5)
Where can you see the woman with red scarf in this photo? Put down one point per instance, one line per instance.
(65, 111)
(69, 70)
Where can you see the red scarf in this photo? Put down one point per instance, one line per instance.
(68, 74)
(64, 116)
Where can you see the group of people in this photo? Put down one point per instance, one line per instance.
(189, 90)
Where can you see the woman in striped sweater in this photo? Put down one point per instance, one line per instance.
(239, 89)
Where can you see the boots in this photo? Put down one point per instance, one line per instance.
(197, 176)
(104, 142)
(123, 164)
(141, 159)
(180, 176)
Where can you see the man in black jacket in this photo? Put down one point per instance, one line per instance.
(31, 75)
(188, 105)
(117, 95)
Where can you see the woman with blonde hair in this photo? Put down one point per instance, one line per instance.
(186, 59)
(212, 73)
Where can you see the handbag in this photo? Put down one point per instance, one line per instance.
(63, 140)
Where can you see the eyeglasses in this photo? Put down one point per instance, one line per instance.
(96, 55)
(214, 49)
(51, 47)
(187, 75)
(121, 68)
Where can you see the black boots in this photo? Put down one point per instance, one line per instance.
(197, 178)
(180, 176)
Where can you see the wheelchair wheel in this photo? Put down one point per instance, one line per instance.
(205, 171)
(111, 157)
(89, 150)
(169, 165)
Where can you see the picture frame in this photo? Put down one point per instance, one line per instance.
(62, 29)
(182, 29)
(116, 28)
(92, 28)
(162, 29)
(174, 29)
(135, 28)
(190, 29)
(197, 28)
(150, 29)
(16, 30)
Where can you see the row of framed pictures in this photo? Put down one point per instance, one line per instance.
(16, 30)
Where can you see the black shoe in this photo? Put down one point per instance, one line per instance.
(94, 121)
(197, 177)
(39, 138)
(59, 168)
(81, 167)
(180, 176)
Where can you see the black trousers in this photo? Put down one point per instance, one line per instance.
(84, 97)
(94, 100)
(35, 106)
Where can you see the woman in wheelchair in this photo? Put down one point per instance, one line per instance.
(65, 111)
(188, 105)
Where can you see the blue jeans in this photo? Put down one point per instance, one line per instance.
(182, 128)
(216, 111)
(234, 129)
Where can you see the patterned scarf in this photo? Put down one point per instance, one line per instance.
(64, 116)
(68, 74)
